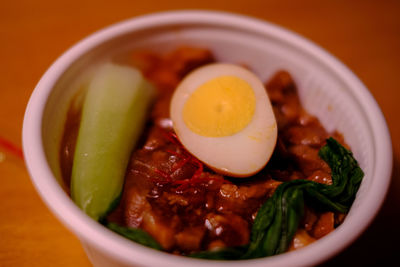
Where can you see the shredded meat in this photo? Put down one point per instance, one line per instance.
(186, 215)
(185, 206)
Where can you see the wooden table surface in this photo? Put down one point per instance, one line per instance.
(365, 35)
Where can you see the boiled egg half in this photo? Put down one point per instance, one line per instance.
(222, 115)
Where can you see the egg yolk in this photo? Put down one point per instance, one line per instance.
(220, 107)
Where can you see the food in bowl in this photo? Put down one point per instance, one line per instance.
(188, 206)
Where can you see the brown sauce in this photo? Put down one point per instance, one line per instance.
(187, 207)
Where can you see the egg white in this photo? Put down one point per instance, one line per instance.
(241, 154)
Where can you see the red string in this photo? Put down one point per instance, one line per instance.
(10, 147)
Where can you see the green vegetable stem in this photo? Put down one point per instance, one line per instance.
(113, 116)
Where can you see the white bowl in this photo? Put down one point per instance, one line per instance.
(327, 89)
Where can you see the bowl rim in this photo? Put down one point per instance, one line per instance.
(127, 251)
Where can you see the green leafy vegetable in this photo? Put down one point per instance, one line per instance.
(135, 234)
(278, 218)
(232, 253)
(113, 117)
